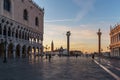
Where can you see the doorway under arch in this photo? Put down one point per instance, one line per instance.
(24, 51)
(29, 51)
(18, 51)
(10, 50)
(2, 49)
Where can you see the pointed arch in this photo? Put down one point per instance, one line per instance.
(9, 31)
(24, 51)
(20, 34)
(25, 14)
(18, 50)
(29, 50)
(16, 33)
(10, 50)
(4, 30)
(36, 21)
(2, 48)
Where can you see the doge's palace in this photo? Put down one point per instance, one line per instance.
(21, 28)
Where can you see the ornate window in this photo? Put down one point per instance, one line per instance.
(25, 14)
(36, 21)
(7, 5)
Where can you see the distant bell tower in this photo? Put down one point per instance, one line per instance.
(52, 46)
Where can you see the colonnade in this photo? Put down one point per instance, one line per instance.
(18, 40)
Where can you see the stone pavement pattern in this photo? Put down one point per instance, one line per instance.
(58, 69)
(111, 64)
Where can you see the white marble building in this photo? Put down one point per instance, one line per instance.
(115, 41)
(21, 28)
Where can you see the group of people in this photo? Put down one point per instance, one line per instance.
(48, 56)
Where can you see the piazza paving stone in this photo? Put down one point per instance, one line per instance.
(59, 68)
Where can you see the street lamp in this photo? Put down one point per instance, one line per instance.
(99, 41)
(68, 41)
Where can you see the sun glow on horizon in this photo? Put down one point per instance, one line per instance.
(81, 38)
(83, 18)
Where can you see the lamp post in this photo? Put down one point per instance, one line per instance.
(68, 41)
(99, 33)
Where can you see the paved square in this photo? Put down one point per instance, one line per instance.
(59, 68)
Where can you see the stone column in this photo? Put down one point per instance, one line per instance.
(119, 52)
(38, 52)
(14, 52)
(112, 52)
(18, 34)
(6, 31)
(11, 32)
(28, 36)
(14, 34)
(99, 42)
(6, 44)
(26, 52)
(30, 53)
(35, 52)
(2, 29)
(21, 34)
(68, 42)
(24, 35)
(6, 50)
(20, 52)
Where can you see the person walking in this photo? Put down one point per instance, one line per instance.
(93, 56)
(49, 57)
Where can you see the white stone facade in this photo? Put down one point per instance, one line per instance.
(115, 41)
(21, 28)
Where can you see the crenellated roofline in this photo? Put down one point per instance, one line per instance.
(41, 9)
(112, 28)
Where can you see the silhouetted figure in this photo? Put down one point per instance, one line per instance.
(76, 55)
(49, 57)
(93, 56)
(46, 56)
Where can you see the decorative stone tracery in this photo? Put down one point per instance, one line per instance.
(21, 39)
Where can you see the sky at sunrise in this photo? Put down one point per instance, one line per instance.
(83, 18)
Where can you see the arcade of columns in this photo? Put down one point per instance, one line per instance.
(115, 41)
(21, 41)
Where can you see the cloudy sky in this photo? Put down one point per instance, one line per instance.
(83, 18)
